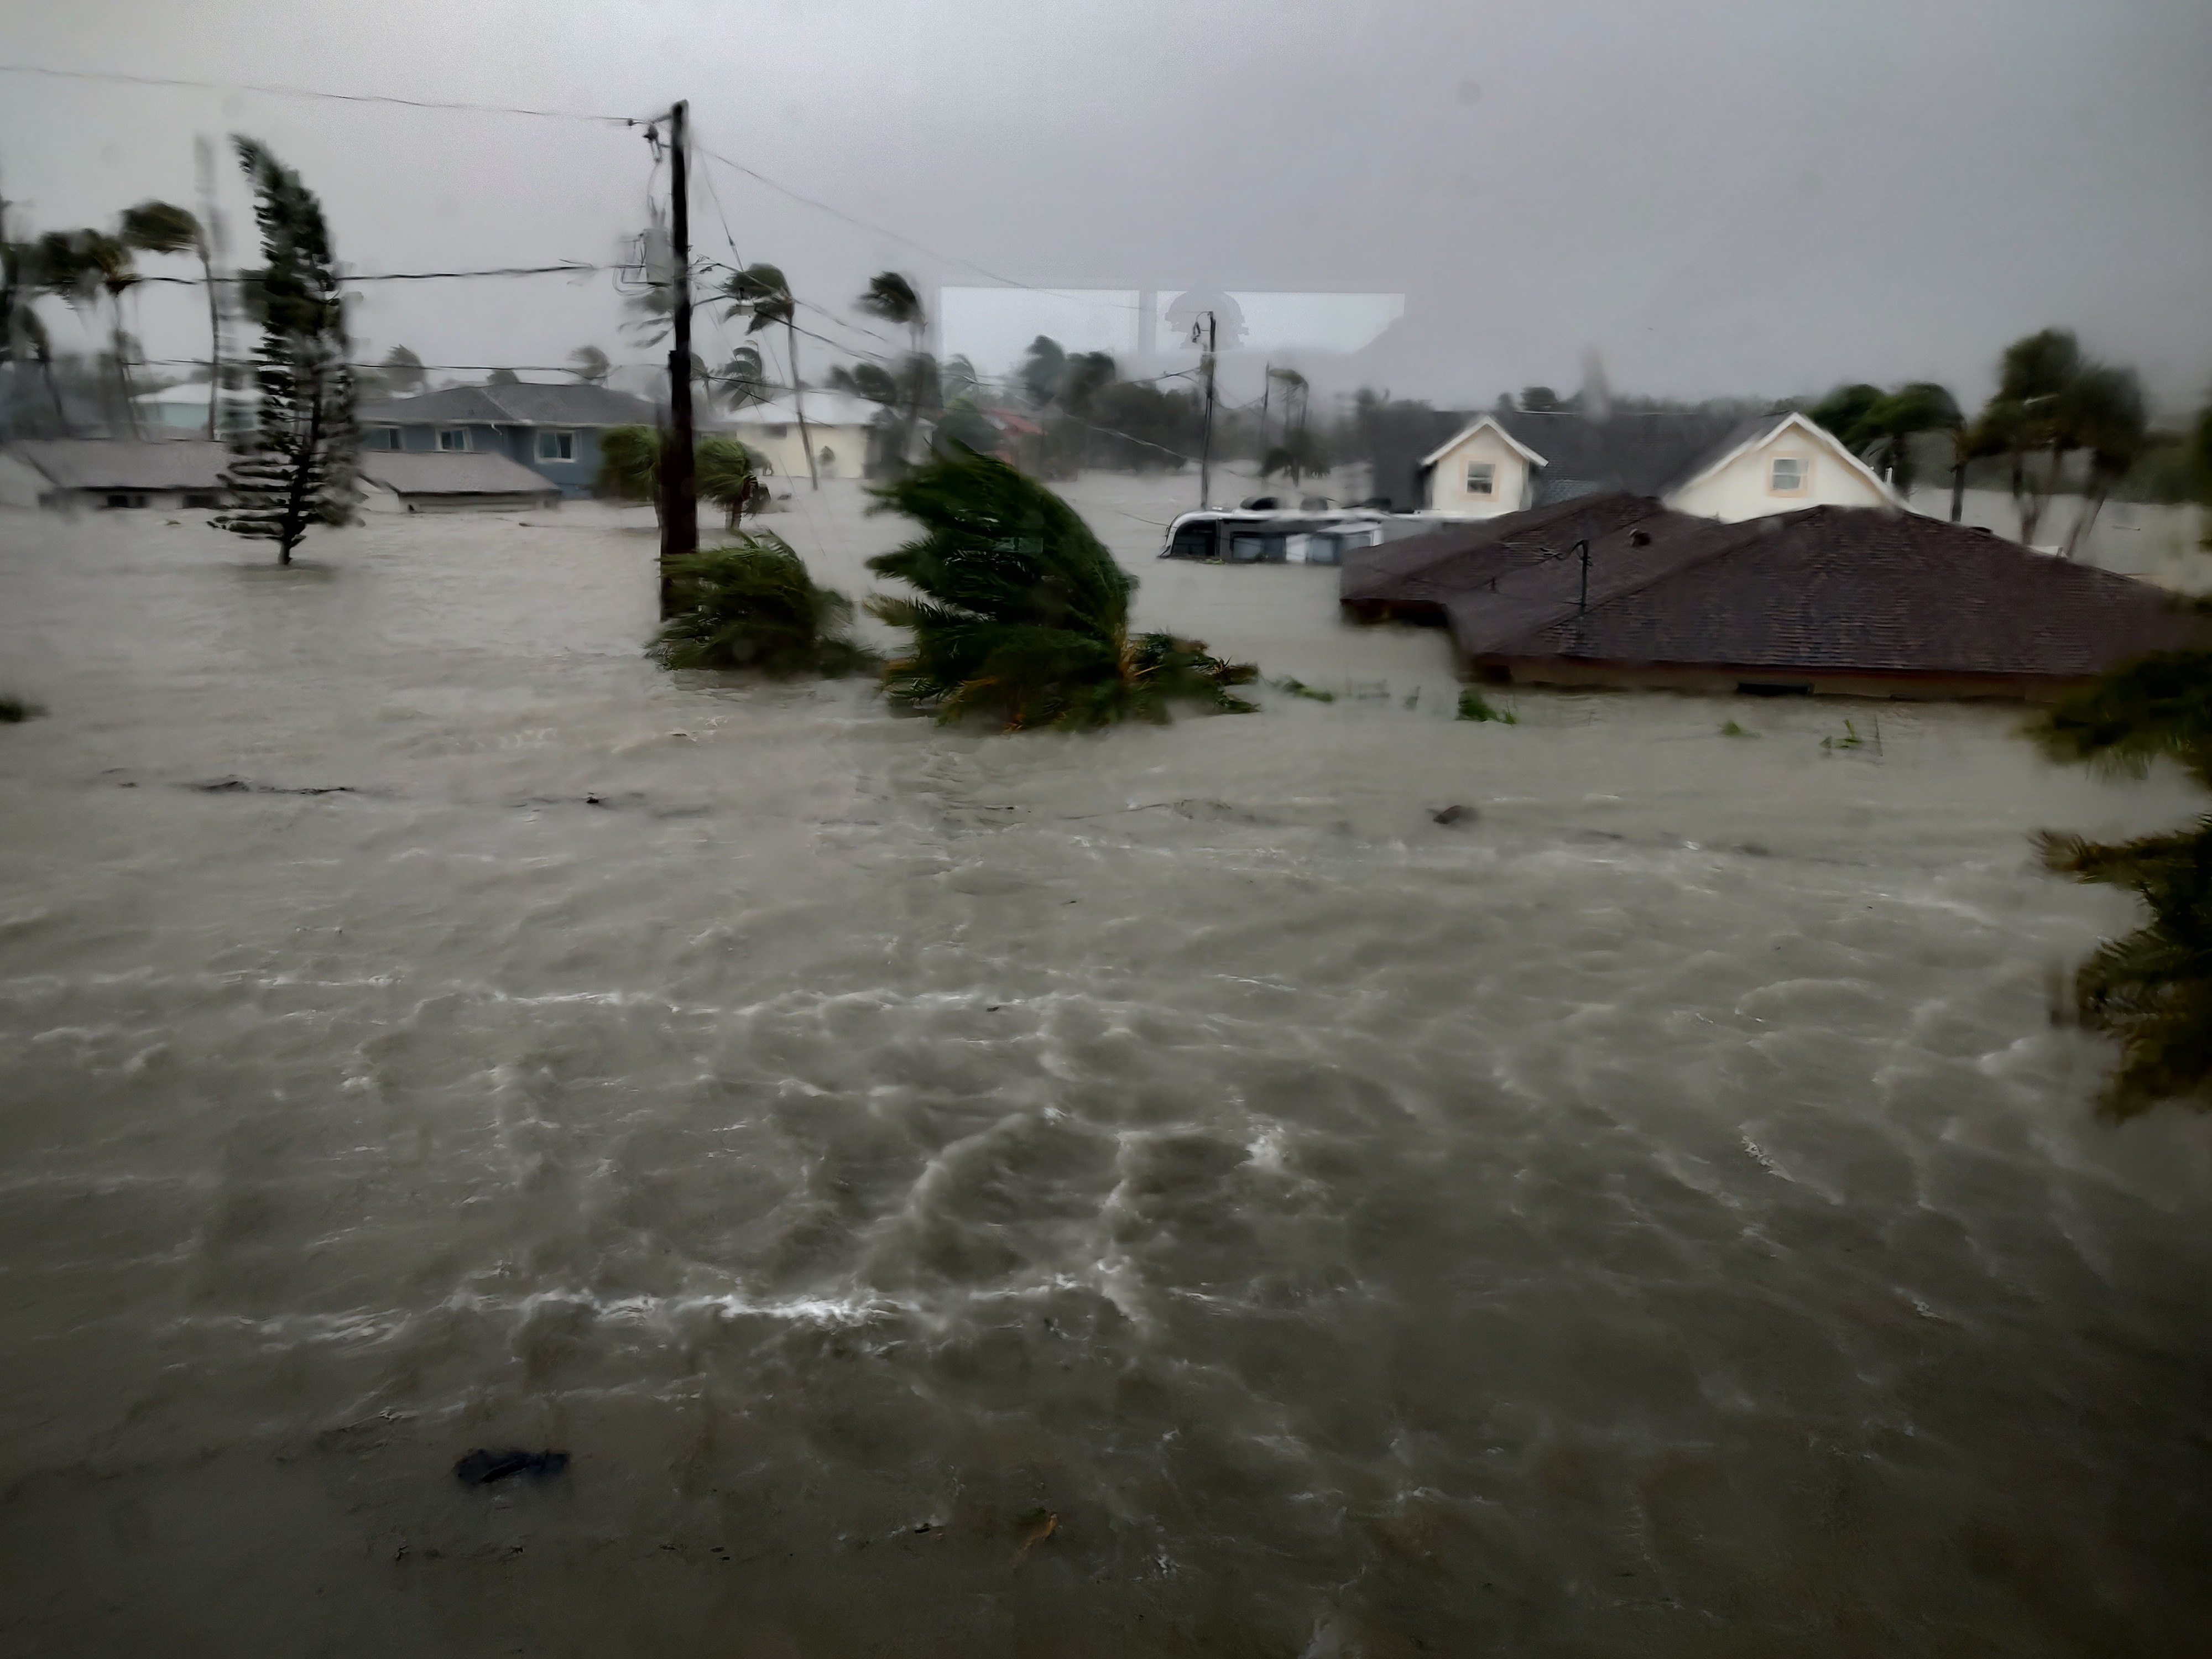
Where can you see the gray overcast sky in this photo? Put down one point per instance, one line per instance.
(1718, 196)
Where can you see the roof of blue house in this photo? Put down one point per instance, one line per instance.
(521, 403)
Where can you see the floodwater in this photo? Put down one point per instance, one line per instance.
(1656, 1215)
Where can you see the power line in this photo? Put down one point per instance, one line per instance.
(896, 236)
(312, 92)
(571, 268)
(533, 368)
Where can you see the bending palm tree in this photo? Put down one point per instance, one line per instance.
(160, 228)
(759, 292)
(753, 605)
(891, 297)
(1024, 615)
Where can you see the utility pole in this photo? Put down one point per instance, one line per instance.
(679, 499)
(1206, 450)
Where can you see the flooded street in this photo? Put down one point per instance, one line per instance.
(1653, 1215)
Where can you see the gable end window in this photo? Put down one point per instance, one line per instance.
(455, 437)
(557, 446)
(1786, 475)
(1481, 478)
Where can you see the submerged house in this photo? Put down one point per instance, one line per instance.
(438, 482)
(1480, 472)
(1622, 590)
(1777, 463)
(1780, 462)
(113, 472)
(838, 427)
(552, 430)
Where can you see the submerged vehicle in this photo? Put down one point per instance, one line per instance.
(1258, 534)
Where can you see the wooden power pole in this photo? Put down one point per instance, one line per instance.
(1206, 449)
(679, 498)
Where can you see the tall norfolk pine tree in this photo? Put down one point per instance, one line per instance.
(294, 466)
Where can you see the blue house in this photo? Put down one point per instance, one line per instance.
(554, 430)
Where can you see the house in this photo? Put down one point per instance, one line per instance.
(1621, 590)
(1480, 472)
(553, 430)
(113, 472)
(441, 482)
(1779, 462)
(1770, 463)
(837, 427)
(184, 408)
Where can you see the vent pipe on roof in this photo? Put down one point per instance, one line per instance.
(1583, 604)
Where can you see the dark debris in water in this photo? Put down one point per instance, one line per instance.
(1454, 814)
(481, 1467)
(242, 786)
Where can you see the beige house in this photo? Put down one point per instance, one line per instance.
(1777, 463)
(1480, 473)
(836, 428)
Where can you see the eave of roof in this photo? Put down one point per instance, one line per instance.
(1470, 429)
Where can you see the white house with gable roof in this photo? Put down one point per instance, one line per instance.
(1777, 463)
(1480, 472)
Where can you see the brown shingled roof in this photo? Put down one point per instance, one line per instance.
(1834, 592)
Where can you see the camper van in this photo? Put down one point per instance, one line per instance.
(1262, 535)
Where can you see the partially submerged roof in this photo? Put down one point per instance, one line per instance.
(1760, 430)
(522, 402)
(823, 409)
(450, 472)
(124, 463)
(1470, 429)
(1830, 591)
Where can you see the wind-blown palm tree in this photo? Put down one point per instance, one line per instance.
(82, 267)
(891, 296)
(401, 374)
(161, 227)
(728, 475)
(22, 330)
(1023, 615)
(743, 380)
(2032, 381)
(2102, 413)
(760, 293)
(753, 605)
(589, 364)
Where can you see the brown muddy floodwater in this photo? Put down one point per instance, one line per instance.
(1658, 1216)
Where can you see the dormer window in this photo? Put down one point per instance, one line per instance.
(1481, 478)
(1786, 475)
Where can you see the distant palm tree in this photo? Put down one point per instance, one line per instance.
(2102, 413)
(891, 296)
(1900, 417)
(161, 227)
(743, 380)
(589, 364)
(21, 329)
(401, 372)
(2032, 378)
(83, 267)
(1023, 614)
(761, 294)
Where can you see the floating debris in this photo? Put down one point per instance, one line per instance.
(482, 1467)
